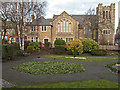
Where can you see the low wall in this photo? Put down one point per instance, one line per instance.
(109, 47)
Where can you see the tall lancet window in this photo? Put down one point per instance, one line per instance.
(106, 14)
(64, 25)
(61, 26)
(67, 26)
(109, 14)
(58, 27)
(103, 14)
(70, 27)
(87, 30)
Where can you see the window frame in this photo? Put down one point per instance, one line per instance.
(68, 39)
(43, 28)
(36, 39)
(106, 32)
(32, 39)
(70, 27)
(58, 27)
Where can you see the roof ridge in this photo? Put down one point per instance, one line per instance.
(83, 15)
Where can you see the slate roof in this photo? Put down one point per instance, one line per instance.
(41, 21)
(55, 16)
(82, 19)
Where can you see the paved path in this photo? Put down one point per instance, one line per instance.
(94, 70)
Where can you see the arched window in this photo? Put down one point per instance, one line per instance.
(70, 27)
(32, 39)
(58, 27)
(109, 14)
(103, 14)
(106, 14)
(64, 25)
(36, 39)
(87, 30)
(61, 26)
(67, 26)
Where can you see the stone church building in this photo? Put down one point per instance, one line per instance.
(99, 27)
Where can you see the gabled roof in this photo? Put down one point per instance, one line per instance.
(82, 19)
(55, 16)
(41, 21)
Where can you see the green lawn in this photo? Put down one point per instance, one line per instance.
(49, 67)
(77, 84)
(88, 58)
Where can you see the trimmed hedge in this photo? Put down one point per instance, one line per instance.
(47, 44)
(69, 52)
(59, 49)
(26, 44)
(99, 52)
(16, 46)
(4, 41)
(20, 53)
(59, 42)
(7, 51)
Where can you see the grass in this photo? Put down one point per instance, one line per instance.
(49, 67)
(88, 58)
(112, 68)
(100, 83)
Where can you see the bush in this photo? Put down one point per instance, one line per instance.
(20, 53)
(69, 52)
(75, 45)
(4, 41)
(26, 44)
(47, 45)
(59, 49)
(7, 51)
(99, 52)
(35, 46)
(16, 46)
(89, 45)
(30, 49)
(4, 51)
(59, 42)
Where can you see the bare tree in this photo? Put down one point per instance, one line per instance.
(20, 11)
(90, 11)
(4, 17)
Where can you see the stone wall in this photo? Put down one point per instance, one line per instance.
(74, 30)
(106, 22)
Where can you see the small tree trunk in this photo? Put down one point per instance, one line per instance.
(4, 34)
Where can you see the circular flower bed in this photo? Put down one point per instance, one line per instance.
(49, 67)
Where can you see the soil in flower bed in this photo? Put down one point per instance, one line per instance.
(49, 67)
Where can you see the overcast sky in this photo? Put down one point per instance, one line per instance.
(76, 7)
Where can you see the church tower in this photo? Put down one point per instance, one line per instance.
(106, 24)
